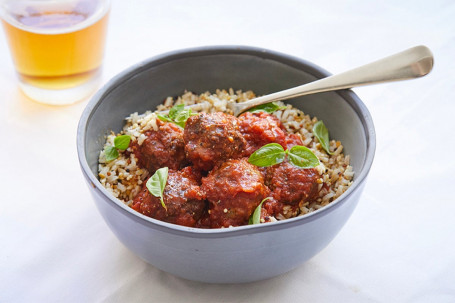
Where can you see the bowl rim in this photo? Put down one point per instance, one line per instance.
(348, 95)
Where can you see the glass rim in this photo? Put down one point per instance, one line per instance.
(7, 14)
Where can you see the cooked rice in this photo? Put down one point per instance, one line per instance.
(124, 179)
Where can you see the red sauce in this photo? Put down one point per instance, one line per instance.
(218, 187)
(212, 138)
(184, 200)
(291, 185)
(162, 148)
(260, 129)
(234, 190)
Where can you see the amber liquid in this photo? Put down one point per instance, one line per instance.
(51, 50)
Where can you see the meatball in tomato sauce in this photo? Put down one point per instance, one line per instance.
(184, 200)
(291, 185)
(234, 189)
(262, 128)
(211, 139)
(162, 148)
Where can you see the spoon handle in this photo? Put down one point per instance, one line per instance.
(411, 63)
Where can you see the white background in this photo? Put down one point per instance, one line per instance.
(398, 245)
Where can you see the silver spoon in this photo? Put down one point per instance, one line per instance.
(411, 63)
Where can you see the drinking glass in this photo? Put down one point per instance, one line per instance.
(57, 46)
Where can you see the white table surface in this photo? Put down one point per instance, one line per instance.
(398, 246)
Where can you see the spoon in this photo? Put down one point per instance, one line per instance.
(411, 63)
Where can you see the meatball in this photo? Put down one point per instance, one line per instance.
(211, 139)
(291, 185)
(262, 128)
(234, 189)
(292, 140)
(183, 198)
(162, 148)
(270, 208)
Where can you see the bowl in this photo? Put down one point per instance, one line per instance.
(229, 255)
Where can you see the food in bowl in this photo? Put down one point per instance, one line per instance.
(213, 174)
(224, 255)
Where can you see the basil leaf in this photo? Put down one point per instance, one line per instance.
(302, 157)
(181, 124)
(157, 183)
(268, 155)
(181, 117)
(177, 115)
(122, 142)
(110, 153)
(267, 107)
(164, 118)
(176, 110)
(322, 133)
(256, 216)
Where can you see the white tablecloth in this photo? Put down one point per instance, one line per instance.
(397, 247)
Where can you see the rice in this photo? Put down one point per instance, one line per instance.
(124, 179)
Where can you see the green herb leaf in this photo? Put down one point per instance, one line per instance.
(110, 153)
(302, 157)
(181, 124)
(177, 115)
(164, 118)
(181, 117)
(157, 183)
(268, 155)
(321, 132)
(175, 110)
(267, 107)
(256, 216)
(122, 142)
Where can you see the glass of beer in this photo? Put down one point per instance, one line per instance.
(57, 46)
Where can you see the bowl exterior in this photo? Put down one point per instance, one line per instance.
(234, 255)
(237, 258)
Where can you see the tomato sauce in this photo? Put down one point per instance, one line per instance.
(211, 184)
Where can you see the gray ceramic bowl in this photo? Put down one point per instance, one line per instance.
(240, 254)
